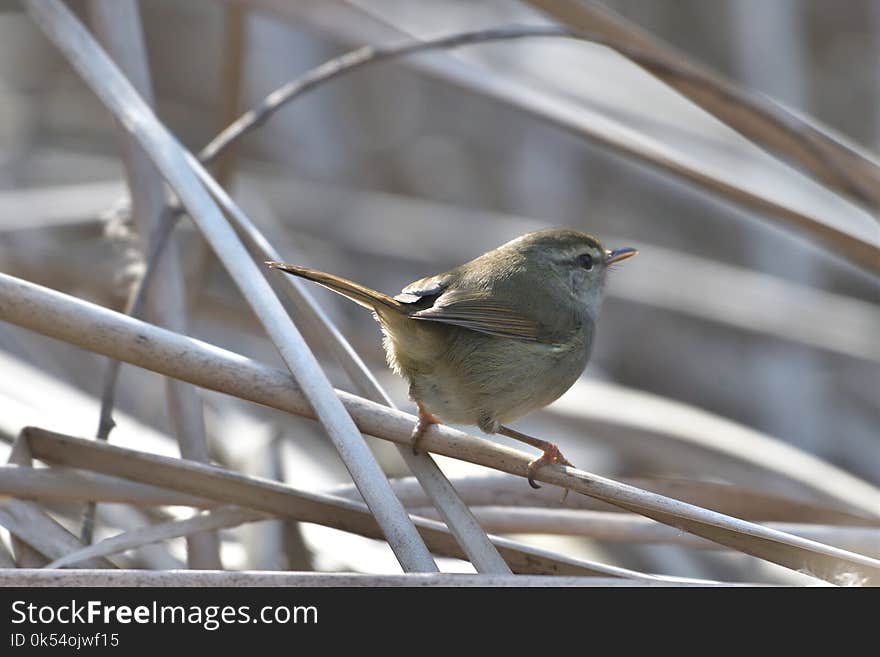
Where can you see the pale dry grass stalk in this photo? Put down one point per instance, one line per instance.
(170, 158)
(630, 528)
(68, 485)
(281, 500)
(200, 523)
(123, 518)
(29, 524)
(596, 525)
(499, 489)
(65, 485)
(36, 537)
(85, 577)
(24, 554)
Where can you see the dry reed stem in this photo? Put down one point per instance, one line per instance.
(65, 485)
(201, 579)
(27, 522)
(23, 553)
(630, 528)
(36, 536)
(105, 79)
(499, 489)
(281, 500)
(220, 518)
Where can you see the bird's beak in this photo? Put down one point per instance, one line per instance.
(619, 254)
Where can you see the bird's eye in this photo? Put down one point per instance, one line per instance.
(585, 260)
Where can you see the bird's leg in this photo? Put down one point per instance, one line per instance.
(550, 456)
(425, 421)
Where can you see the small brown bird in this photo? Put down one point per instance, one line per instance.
(495, 338)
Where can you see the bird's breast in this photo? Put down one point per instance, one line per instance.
(464, 376)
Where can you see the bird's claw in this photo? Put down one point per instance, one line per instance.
(551, 456)
(425, 421)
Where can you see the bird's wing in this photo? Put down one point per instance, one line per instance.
(448, 299)
(430, 286)
(475, 310)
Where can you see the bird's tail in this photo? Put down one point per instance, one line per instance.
(360, 294)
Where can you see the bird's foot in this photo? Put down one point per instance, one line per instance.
(425, 421)
(551, 456)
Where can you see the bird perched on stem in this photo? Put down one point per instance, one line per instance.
(495, 338)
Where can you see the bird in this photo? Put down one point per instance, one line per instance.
(495, 338)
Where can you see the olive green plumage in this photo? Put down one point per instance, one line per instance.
(497, 337)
